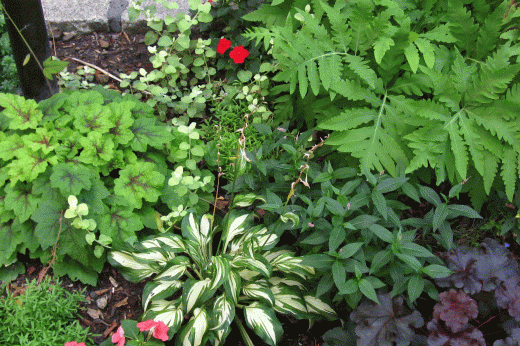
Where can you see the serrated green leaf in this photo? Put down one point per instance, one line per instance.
(21, 200)
(382, 233)
(139, 181)
(71, 178)
(350, 250)
(412, 56)
(381, 46)
(427, 50)
(415, 288)
(146, 132)
(337, 235)
(436, 271)
(440, 215)
(380, 203)
(368, 290)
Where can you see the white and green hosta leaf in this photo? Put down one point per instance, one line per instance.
(174, 269)
(168, 242)
(193, 292)
(317, 306)
(289, 264)
(156, 256)
(259, 290)
(257, 264)
(234, 225)
(233, 286)
(220, 269)
(262, 319)
(195, 333)
(289, 301)
(200, 254)
(159, 289)
(132, 269)
(170, 312)
(277, 280)
(198, 231)
(223, 315)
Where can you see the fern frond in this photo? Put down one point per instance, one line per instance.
(412, 84)
(509, 169)
(458, 147)
(467, 128)
(489, 33)
(360, 67)
(349, 119)
(490, 170)
(462, 25)
(260, 34)
(497, 126)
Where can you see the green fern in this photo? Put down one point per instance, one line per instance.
(420, 83)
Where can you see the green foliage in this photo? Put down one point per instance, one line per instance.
(199, 285)
(8, 76)
(44, 314)
(106, 150)
(417, 84)
(350, 224)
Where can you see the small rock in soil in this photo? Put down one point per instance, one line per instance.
(102, 302)
(68, 36)
(104, 44)
(94, 313)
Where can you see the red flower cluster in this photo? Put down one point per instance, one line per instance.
(238, 54)
(160, 330)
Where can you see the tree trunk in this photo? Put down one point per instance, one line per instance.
(27, 15)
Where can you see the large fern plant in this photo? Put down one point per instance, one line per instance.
(417, 83)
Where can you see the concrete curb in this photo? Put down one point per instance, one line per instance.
(84, 16)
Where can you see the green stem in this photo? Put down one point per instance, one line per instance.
(243, 332)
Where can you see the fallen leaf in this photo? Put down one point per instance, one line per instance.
(101, 292)
(30, 270)
(121, 303)
(109, 329)
(113, 281)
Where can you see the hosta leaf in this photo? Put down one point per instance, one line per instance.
(289, 264)
(195, 230)
(168, 241)
(233, 286)
(219, 271)
(174, 269)
(193, 292)
(146, 132)
(132, 269)
(159, 289)
(169, 312)
(317, 306)
(223, 313)
(195, 332)
(71, 178)
(139, 181)
(262, 319)
(257, 264)
(288, 301)
(234, 224)
(259, 290)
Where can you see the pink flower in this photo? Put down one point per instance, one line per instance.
(74, 343)
(223, 45)
(160, 330)
(119, 337)
(239, 54)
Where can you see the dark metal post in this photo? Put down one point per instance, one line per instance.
(27, 15)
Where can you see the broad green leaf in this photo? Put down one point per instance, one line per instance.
(339, 273)
(463, 210)
(380, 259)
(412, 56)
(350, 250)
(98, 150)
(380, 203)
(120, 223)
(430, 195)
(319, 261)
(415, 250)
(146, 132)
(364, 221)
(368, 290)
(436, 271)
(440, 215)
(262, 319)
(23, 114)
(415, 288)
(411, 261)
(52, 66)
(349, 287)
(47, 217)
(337, 235)
(382, 233)
(21, 200)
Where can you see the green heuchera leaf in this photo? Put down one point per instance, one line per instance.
(23, 113)
(262, 319)
(146, 132)
(49, 221)
(71, 178)
(138, 181)
(98, 150)
(120, 223)
(122, 119)
(93, 118)
(11, 146)
(21, 200)
(29, 165)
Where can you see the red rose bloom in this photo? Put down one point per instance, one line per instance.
(239, 54)
(223, 45)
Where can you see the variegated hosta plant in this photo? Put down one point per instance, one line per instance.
(208, 272)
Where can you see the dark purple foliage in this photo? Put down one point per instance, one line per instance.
(441, 336)
(508, 296)
(386, 324)
(455, 308)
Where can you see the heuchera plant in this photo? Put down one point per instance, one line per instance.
(206, 274)
(107, 150)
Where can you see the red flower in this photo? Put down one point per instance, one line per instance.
(119, 337)
(239, 54)
(74, 343)
(160, 330)
(223, 45)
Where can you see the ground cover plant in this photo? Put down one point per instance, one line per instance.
(42, 314)
(9, 81)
